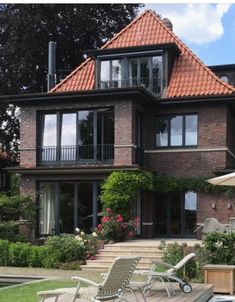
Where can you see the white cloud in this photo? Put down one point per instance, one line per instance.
(199, 23)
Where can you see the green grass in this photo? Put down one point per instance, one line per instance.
(28, 292)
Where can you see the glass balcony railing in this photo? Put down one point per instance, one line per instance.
(153, 85)
(76, 155)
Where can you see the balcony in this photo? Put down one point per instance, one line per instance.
(75, 155)
(153, 84)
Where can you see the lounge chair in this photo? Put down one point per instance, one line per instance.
(111, 288)
(166, 277)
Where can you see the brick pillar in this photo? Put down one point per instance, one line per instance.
(124, 147)
(28, 138)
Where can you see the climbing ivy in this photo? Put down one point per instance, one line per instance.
(169, 184)
(120, 188)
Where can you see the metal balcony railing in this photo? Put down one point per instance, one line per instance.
(72, 155)
(153, 84)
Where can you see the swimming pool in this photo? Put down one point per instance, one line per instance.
(9, 280)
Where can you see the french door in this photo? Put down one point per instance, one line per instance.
(63, 206)
(176, 215)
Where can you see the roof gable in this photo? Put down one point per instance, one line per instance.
(190, 76)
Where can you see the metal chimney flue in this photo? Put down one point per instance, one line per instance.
(51, 76)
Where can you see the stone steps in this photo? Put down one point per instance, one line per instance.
(149, 252)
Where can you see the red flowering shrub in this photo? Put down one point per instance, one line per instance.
(113, 227)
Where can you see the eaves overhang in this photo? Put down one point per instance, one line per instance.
(137, 93)
(70, 170)
(200, 99)
(170, 47)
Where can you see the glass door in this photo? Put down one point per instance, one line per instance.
(176, 215)
(66, 210)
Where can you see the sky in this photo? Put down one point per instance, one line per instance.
(207, 28)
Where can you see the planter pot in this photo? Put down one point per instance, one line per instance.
(221, 276)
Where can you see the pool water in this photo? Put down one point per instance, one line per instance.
(4, 284)
(224, 298)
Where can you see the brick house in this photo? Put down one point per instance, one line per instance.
(142, 101)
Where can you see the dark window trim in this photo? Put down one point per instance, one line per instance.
(125, 66)
(168, 117)
(168, 198)
(130, 54)
(95, 183)
(59, 115)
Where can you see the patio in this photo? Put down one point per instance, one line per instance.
(200, 293)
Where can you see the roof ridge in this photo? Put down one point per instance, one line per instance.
(199, 61)
(70, 75)
(125, 28)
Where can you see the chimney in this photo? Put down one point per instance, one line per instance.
(168, 23)
(51, 76)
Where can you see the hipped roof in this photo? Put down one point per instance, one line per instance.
(190, 76)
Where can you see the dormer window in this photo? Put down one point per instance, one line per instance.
(130, 70)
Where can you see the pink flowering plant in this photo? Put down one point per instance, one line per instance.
(114, 228)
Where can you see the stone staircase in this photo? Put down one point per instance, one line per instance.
(149, 252)
(148, 249)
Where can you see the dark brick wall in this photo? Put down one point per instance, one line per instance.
(212, 133)
(182, 164)
(221, 212)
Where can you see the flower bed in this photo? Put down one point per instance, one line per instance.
(114, 228)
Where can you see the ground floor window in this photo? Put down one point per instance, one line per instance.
(176, 214)
(63, 206)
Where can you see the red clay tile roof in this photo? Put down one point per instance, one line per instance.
(190, 76)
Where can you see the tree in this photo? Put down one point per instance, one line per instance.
(26, 30)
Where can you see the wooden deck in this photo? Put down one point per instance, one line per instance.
(200, 293)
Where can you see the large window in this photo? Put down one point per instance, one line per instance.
(177, 131)
(63, 206)
(129, 71)
(85, 136)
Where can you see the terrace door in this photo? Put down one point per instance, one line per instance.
(176, 215)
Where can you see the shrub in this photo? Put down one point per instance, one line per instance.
(90, 241)
(4, 252)
(113, 227)
(121, 187)
(173, 253)
(66, 248)
(220, 248)
(19, 254)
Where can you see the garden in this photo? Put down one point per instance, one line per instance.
(69, 252)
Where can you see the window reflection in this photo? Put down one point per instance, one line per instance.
(191, 130)
(177, 131)
(162, 133)
(68, 136)
(49, 130)
(130, 71)
(190, 207)
(182, 130)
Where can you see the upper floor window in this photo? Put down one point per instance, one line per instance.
(177, 130)
(84, 136)
(132, 70)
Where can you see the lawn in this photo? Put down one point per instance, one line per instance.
(28, 292)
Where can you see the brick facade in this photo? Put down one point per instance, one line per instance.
(214, 151)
